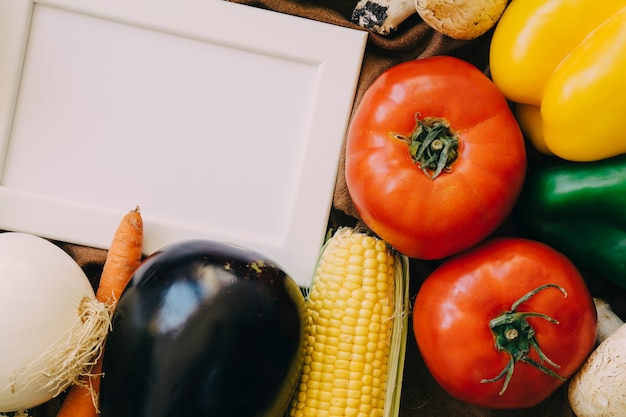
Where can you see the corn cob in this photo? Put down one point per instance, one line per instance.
(355, 330)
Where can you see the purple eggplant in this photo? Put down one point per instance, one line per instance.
(204, 329)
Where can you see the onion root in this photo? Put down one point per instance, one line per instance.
(71, 357)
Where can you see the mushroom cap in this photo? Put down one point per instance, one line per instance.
(461, 19)
(598, 389)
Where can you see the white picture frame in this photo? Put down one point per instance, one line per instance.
(221, 121)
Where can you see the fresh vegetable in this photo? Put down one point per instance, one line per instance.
(204, 328)
(598, 389)
(123, 258)
(529, 118)
(464, 19)
(504, 324)
(578, 208)
(382, 16)
(566, 58)
(356, 330)
(51, 325)
(82, 398)
(435, 159)
(608, 321)
(533, 36)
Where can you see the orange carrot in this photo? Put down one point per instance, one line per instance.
(79, 401)
(123, 258)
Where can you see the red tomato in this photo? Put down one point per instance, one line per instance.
(421, 216)
(460, 301)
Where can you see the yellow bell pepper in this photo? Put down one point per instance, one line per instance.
(563, 62)
(530, 122)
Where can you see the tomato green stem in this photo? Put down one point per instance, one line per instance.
(433, 146)
(515, 336)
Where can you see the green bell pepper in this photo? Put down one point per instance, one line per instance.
(579, 208)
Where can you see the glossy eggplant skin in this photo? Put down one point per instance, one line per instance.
(204, 329)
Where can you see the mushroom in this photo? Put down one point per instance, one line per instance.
(598, 389)
(461, 19)
(382, 16)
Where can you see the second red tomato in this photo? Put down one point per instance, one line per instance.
(435, 159)
(504, 324)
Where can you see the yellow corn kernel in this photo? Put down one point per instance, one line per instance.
(352, 300)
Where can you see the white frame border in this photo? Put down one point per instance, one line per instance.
(336, 51)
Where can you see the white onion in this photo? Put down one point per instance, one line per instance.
(42, 290)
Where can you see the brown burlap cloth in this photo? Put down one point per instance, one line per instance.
(421, 396)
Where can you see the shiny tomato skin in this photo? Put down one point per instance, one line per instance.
(421, 217)
(454, 305)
